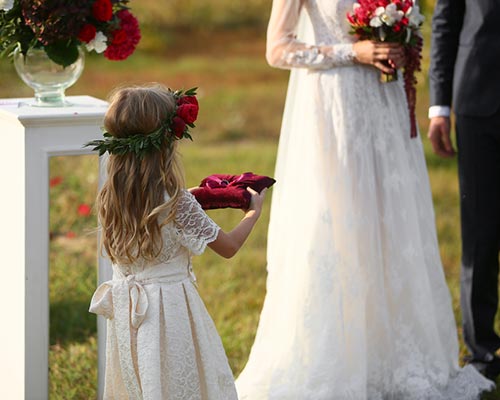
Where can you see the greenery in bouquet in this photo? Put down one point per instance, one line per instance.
(61, 26)
(395, 21)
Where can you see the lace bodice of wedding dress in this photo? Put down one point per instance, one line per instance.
(357, 306)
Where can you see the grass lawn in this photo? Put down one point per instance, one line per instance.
(233, 290)
(242, 102)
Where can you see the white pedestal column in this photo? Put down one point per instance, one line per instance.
(29, 136)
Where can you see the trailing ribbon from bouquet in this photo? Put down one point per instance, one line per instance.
(397, 21)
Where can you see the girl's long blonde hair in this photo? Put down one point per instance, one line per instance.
(132, 205)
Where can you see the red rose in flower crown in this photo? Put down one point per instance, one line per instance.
(188, 100)
(396, 21)
(188, 112)
(60, 27)
(178, 126)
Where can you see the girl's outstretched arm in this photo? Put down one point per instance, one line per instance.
(228, 244)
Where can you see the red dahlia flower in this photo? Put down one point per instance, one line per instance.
(119, 37)
(124, 48)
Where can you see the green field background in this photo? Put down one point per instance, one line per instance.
(217, 45)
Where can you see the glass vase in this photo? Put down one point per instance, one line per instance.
(48, 79)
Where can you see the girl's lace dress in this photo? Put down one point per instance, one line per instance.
(161, 342)
(357, 307)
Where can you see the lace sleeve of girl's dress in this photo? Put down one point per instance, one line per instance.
(285, 51)
(195, 228)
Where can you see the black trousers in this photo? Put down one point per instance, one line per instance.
(478, 142)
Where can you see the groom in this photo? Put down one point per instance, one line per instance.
(465, 67)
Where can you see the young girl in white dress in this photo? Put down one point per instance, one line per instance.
(161, 342)
(357, 306)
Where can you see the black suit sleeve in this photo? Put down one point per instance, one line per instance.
(446, 26)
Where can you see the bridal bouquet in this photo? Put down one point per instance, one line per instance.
(61, 26)
(396, 21)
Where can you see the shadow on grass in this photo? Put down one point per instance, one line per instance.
(70, 321)
(435, 162)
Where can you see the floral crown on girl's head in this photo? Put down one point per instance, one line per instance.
(174, 127)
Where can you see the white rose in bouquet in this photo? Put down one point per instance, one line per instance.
(6, 5)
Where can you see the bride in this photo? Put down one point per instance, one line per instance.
(357, 305)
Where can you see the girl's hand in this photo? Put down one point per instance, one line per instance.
(387, 57)
(256, 201)
(228, 244)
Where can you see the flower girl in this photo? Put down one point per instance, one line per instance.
(161, 342)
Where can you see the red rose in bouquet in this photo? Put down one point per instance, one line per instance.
(102, 10)
(87, 33)
(396, 21)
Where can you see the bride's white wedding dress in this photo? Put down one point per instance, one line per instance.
(357, 306)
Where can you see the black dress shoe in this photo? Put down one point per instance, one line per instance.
(492, 369)
(489, 367)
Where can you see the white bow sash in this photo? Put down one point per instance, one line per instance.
(125, 300)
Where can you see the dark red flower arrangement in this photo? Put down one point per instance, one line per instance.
(396, 21)
(61, 26)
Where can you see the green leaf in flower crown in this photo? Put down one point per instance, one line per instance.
(62, 53)
(191, 92)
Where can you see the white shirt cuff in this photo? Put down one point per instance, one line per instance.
(439, 111)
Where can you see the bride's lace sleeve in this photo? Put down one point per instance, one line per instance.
(285, 51)
(194, 227)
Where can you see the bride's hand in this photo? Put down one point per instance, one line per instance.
(385, 56)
